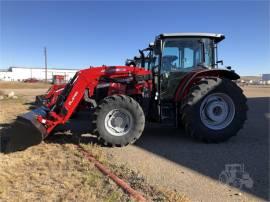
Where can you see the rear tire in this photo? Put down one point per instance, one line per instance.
(118, 121)
(214, 110)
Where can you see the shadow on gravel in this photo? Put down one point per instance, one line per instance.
(249, 148)
(75, 131)
(14, 138)
(31, 105)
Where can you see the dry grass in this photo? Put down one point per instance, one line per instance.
(21, 85)
(49, 171)
(10, 108)
(53, 172)
(57, 171)
(140, 183)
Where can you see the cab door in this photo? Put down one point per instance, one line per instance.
(176, 62)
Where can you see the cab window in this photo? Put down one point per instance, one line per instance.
(181, 54)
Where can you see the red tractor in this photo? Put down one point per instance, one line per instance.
(180, 85)
(55, 90)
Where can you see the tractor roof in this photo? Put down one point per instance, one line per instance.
(217, 37)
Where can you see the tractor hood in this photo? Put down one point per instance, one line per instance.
(114, 71)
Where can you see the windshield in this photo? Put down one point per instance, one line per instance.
(186, 54)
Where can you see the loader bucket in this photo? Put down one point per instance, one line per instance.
(26, 131)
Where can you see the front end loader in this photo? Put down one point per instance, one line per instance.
(89, 85)
(178, 84)
(51, 95)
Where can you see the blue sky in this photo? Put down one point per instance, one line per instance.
(80, 34)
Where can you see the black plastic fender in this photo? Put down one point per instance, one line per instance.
(191, 77)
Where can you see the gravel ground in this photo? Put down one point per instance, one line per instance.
(170, 159)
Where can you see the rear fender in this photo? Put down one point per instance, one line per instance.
(195, 76)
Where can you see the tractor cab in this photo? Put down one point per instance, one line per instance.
(174, 56)
(189, 50)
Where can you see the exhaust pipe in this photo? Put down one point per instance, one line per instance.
(26, 131)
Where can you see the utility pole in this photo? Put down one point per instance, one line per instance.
(45, 55)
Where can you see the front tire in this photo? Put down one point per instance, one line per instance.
(118, 121)
(215, 110)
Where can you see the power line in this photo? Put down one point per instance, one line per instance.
(45, 55)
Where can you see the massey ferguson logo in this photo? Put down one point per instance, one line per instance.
(73, 98)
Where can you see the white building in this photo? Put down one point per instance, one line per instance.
(21, 73)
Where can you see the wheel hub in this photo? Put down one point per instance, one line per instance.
(217, 111)
(118, 122)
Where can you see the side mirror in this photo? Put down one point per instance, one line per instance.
(157, 47)
(220, 62)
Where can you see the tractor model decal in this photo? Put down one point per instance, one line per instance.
(73, 98)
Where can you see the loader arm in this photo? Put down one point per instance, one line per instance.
(74, 92)
(69, 99)
(53, 89)
(72, 96)
(48, 99)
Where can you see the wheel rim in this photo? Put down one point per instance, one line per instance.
(223, 178)
(217, 111)
(118, 122)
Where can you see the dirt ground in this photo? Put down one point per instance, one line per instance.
(53, 172)
(162, 159)
(20, 85)
(171, 159)
(56, 171)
